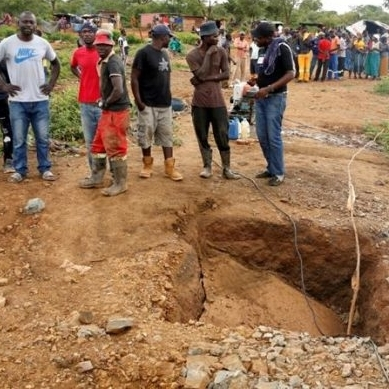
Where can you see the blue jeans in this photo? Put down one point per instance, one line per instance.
(268, 119)
(22, 114)
(333, 67)
(90, 115)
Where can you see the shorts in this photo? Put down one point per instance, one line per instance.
(155, 125)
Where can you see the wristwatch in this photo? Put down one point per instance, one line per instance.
(102, 104)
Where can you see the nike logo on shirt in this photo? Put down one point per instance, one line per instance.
(24, 54)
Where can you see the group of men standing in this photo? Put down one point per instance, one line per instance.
(105, 103)
(103, 97)
(275, 68)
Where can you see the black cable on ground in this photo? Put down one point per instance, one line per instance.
(296, 248)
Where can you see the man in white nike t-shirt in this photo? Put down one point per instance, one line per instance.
(29, 93)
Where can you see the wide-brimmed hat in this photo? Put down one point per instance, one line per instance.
(161, 29)
(103, 37)
(263, 30)
(209, 28)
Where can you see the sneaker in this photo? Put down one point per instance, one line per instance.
(264, 174)
(276, 180)
(8, 167)
(15, 178)
(48, 176)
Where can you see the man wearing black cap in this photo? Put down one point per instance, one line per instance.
(150, 83)
(275, 70)
(209, 65)
(83, 65)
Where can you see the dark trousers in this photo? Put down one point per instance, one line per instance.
(341, 62)
(322, 67)
(202, 118)
(253, 66)
(6, 129)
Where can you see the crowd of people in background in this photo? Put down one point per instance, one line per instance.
(332, 54)
(321, 55)
(336, 53)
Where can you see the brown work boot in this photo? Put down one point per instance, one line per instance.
(170, 171)
(147, 169)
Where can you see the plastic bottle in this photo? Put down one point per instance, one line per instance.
(233, 129)
(237, 91)
(245, 129)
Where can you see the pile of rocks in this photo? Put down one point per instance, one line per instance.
(272, 359)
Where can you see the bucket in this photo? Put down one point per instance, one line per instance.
(233, 129)
(178, 105)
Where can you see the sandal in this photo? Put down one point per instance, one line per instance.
(48, 176)
(15, 178)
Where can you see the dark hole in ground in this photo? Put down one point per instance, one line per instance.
(252, 276)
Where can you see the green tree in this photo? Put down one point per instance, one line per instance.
(308, 6)
(16, 7)
(283, 9)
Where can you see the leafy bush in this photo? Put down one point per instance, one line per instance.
(61, 36)
(64, 54)
(188, 38)
(133, 40)
(115, 35)
(6, 31)
(65, 115)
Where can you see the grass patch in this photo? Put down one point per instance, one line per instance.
(65, 115)
(382, 87)
(372, 130)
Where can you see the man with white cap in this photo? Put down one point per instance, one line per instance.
(110, 139)
(209, 65)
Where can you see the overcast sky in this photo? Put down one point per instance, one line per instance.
(342, 6)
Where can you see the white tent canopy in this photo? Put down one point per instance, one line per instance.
(372, 27)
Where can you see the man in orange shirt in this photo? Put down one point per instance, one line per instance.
(242, 48)
(334, 50)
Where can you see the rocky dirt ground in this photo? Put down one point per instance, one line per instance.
(206, 283)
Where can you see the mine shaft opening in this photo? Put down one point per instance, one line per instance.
(251, 275)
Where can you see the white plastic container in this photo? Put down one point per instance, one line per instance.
(239, 128)
(245, 129)
(237, 91)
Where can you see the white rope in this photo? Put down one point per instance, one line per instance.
(355, 279)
